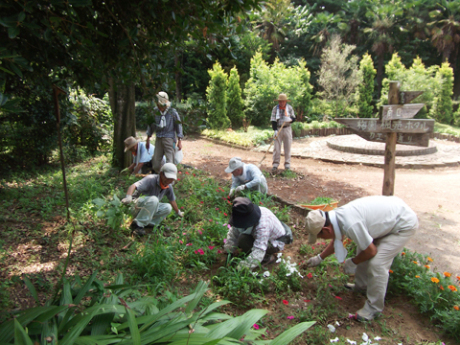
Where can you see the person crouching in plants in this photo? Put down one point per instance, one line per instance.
(245, 176)
(141, 156)
(380, 226)
(255, 231)
(154, 187)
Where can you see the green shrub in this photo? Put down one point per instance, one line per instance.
(234, 100)
(216, 95)
(441, 110)
(366, 89)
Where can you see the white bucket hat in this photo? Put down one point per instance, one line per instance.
(235, 163)
(315, 222)
(130, 142)
(163, 99)
(169, 170)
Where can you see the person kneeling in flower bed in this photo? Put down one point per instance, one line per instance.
(155, 187)
(380, 226)
(245, 176)
(257, 232)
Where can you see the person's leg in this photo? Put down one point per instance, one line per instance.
(276, 152)
(148, 208)
(168, 148)
(157, 155)
(378, 271)
(361, 274)
(161, 213)
(287, 140)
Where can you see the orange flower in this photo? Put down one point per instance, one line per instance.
(452, 288)
(435, 280)
(441, 287)
(447, 274)
(403, 253)
(458, 277)
(429, 259)
(456, 307)
(415, 262)
(427, 266)
(391, 271)
(417, 276)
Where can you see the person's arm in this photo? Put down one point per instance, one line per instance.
(329, 250)
(138, 168)
(131, 167)
(174, 206)
(129, 194)
(178, 129)
(292, 114)
(256, 178)
(365, 255)
(232, 237)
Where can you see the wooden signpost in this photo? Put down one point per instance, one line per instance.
(394, 126)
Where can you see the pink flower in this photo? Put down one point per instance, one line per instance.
(285, 302)
(188, 244)
(225, 214)
(181, 242)
(229, 226)
(323, 243)
(210, 220)
(217, 208)
(199, 251)
(330, 285)
(200, 232)
(256, 326)
(211, 247)
(225, 240)
(184, 233)
(219, 251)
(182, 207)
(290, 317)
(312, 247)
(309, 275)
(201, 202)
(340, 298)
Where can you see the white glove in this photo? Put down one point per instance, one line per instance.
(314, 261)
(180, 213)
(127, 199)
(276, 133)
(231, 192)
(240, 188)
(349, 267)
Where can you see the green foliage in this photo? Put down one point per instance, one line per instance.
(216, 95)
(441, 110)
(434, 293)
(321, 200)
(266, 83)
(253, 137)
(338, 76)
(234, 99)
(193, 113)
(366, 89)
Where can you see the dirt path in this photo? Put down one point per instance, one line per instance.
(432, 193)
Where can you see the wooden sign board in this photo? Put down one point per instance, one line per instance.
(407, 96)
(396, 126)
(412, 139)
(397, 111)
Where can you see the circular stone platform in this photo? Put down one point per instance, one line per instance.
(356, 144)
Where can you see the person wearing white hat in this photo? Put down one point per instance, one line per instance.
(282, 113)
(380, 226)
(141, 156)
(167, 126)
(154, 187)
(245, 176)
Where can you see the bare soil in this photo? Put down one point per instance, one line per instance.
(432, 194)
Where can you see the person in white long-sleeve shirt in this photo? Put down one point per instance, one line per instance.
(257, 232)
(245, 176)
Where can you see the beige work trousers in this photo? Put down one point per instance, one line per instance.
(372, 275)
(163, 146)
(284, 137)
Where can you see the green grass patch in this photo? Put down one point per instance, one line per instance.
(253, 137)
(446, 129)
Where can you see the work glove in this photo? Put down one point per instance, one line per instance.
(349, 267)
(180, 213)
(314, 261)
(240, 188)
(231, 192)
(127, 199)
(276, 133)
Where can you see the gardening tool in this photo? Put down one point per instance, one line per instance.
(265, 155)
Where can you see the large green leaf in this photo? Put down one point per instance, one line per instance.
(85, 288)
(287, 336)
(32, 290)
(20, 335)
(133, 328)
(199, 292)
(247, 320)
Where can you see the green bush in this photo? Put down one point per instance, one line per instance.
(366, 89)
(441, 110)
(192, 112)
(216, 95)
(234, 100)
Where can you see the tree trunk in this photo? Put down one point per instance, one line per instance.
(122, 103)
(379, 75)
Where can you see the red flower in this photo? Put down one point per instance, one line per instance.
(194, 175)
(340, 298)
(211, 247)
(178, 179)
(309, 275)
(187, 173)
(219, 251)
(312, 247)
(225, 214)
(201, 202)
(260, 202)
(285, 302)
(307, 300)
(180, 172)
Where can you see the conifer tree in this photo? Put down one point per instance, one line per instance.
(442, 104)
(366, 88)
(234, 99)
(216, 94)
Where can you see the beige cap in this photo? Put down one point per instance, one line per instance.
(282, 97)
(169, 170)
(315, 222)
(163, 98)
(130, 142)
(235, 163)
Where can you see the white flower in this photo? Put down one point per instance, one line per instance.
(377, 338)
(279, 255)
(266, 274)
(351, 342)
(365, 337)
(335, 340)
(331, 328)
(337, 323)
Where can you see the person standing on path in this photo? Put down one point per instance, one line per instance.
(282, 113)
(166, 126)
(380, 226)
(245, 176)
(154, 187)
(257, 232)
